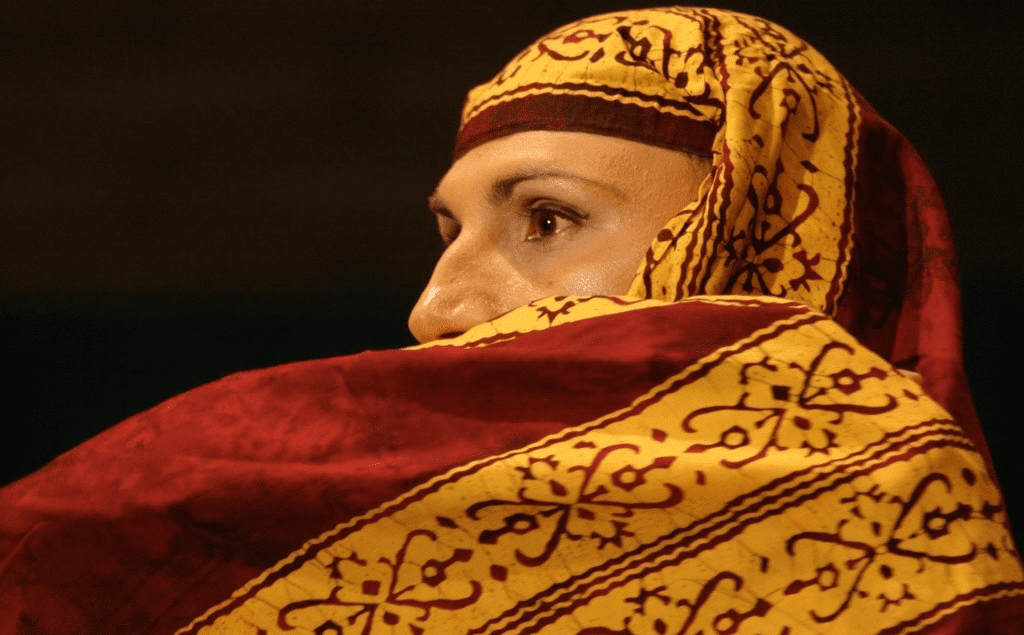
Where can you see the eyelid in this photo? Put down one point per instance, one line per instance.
(560, 209)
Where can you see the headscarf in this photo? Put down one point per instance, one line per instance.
(677, 461)
(812, 195)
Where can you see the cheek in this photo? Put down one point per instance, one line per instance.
(606, 272)
(587, 280)
(610, 267)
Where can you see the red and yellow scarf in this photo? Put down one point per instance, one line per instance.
(729, 450)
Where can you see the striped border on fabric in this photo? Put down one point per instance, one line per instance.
(583, 108)
(773, 498)
(851, 152)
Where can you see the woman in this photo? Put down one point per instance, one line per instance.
(764, 428)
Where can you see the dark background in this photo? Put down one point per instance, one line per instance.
(192, 188)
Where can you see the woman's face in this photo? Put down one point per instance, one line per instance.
(538, 214)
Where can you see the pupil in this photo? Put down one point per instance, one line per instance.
(547, 223)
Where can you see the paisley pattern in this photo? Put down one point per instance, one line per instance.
(788, 483)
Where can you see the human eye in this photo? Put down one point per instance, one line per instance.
(548, 219)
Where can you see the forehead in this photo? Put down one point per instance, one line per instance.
(611, 160)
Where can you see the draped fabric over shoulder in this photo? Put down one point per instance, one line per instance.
(730, 448)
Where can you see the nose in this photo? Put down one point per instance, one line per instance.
(471, 284)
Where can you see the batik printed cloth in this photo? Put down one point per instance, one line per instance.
(679, 461)
(789, 482)
(828, 509)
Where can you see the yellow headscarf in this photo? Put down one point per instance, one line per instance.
(812, 196)
(775, 216)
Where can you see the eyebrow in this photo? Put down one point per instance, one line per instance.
(501, 190)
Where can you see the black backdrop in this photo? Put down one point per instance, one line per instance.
(192, 188)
